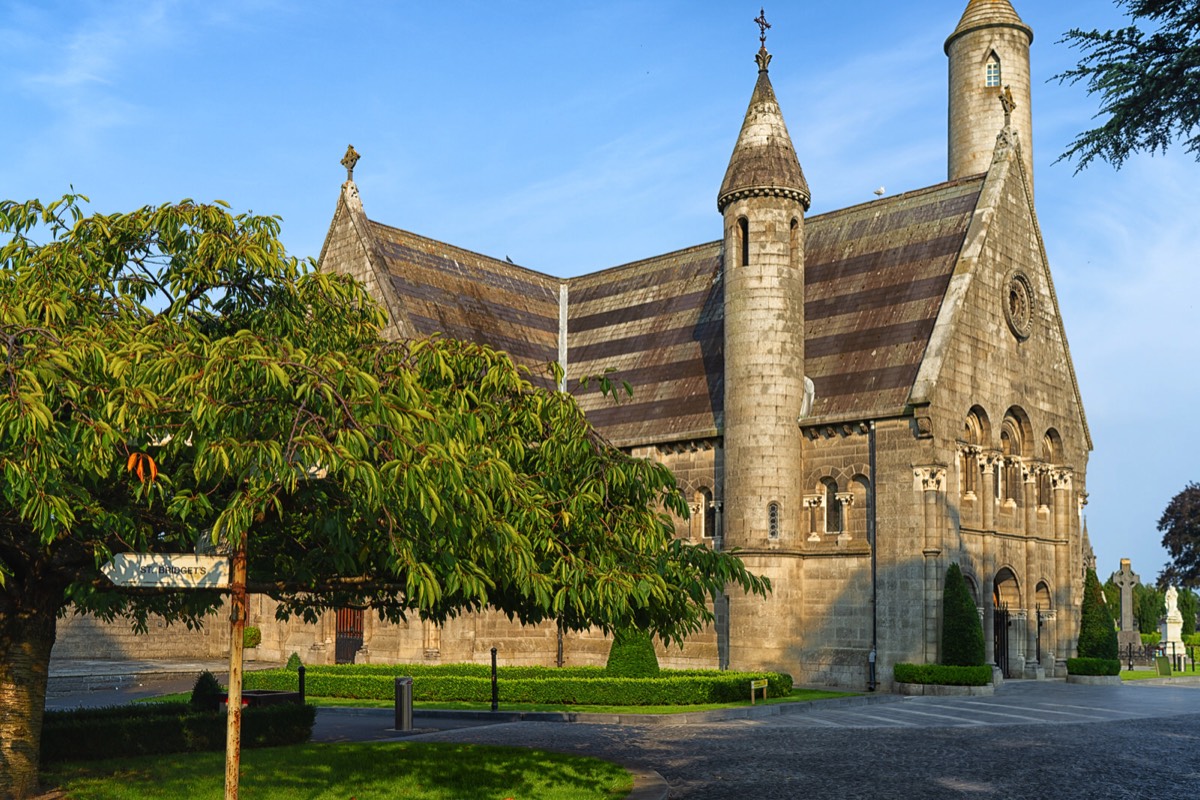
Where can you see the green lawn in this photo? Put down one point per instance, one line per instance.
(1147, 674)
(797, 696)
(412, 770)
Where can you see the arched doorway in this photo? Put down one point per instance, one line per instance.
(1043, 607)
(1006, 597)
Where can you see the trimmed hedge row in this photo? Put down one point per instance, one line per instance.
(1093, 666)
(942, 675)
(669, 688)
(471, 670)
(160, 728)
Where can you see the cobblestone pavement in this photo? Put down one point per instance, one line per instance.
(1035, 740)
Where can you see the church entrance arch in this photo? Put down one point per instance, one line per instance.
(1043, 602)
(1006, 595)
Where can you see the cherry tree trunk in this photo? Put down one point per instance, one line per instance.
(26, 637)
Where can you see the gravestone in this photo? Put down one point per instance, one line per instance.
(1125, 580)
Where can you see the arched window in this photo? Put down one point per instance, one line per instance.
(860, 490)
(975, 435)
(1052, 454)
(773, 520)
(744, 236)
(1012, 445)
(992, 72)
(702, 527)
(833, 508)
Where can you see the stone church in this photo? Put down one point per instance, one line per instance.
(853, 400)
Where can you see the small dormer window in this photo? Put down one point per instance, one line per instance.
(992, 75)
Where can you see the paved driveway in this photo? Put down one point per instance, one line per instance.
(1032, 740)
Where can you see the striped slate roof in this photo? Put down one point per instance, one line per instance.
(465, 295)
(659, 324)
(875, 278)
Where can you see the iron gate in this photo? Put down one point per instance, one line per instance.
(349, 634)
(1000, 637)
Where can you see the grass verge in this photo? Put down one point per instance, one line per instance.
(1147, 674)
(796, 696)
(412, 770)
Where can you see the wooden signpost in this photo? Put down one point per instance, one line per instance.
(183, 572)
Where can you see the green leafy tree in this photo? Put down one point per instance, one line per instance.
(1147, 76)
(1189, 606)
(174, 380)
(1112, 596)
(1097, 634)
(1149, 606)
(1180, 527)
(962, 632)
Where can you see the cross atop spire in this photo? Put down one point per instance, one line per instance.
(1006, 100)
(349, 160)
(763, 26)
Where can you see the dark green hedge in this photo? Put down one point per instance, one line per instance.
(1097, 633)
(1093, 666)
(962, 634)
(475, 670)
(632, 655)
(579, 686)
(160, 728)
(942, 675)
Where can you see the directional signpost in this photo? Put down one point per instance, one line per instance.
(168, 570)
(184, 571)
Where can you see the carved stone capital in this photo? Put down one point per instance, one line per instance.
(1061, 477)
(989, 459)
(845, 498)
(814, 501)
(1032, 470)
(932, 478)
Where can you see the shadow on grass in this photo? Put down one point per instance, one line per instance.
(418, 770)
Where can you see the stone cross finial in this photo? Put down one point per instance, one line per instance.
(349, 160)
(1006, 100)
(1125, 580)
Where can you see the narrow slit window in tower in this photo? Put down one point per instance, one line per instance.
(794, 243)
(744, 235)
(773, 520)
(992, 76)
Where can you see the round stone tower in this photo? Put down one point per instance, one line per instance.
(988, 51)
(763, 199)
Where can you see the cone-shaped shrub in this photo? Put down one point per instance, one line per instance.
(632, 655)
(207, 692)
(1097, 634)
(962, 633)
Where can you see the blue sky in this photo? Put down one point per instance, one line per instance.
(573, 136)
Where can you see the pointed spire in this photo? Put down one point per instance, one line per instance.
(987, 14)
(763, 161)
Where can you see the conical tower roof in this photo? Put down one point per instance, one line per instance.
(763, 161)
(987, 14)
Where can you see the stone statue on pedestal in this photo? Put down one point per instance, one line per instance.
(1171, 626)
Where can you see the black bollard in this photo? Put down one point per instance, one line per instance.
(300, 677)
(495, 690)
(404, 711)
